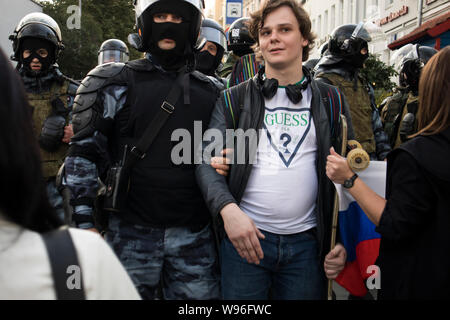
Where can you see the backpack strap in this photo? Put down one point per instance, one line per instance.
(234, 103)
(332, 100)
(62, 255)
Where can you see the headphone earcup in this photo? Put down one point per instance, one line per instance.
(269, 87)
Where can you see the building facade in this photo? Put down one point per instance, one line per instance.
(395, 18)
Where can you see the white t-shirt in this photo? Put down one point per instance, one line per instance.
(281, 193)
(25, 271)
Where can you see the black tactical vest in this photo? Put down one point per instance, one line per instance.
(41, 104)
(161, 192)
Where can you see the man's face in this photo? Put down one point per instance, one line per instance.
(166, 43)
(280, 39)
(35, 65)
(210, 47)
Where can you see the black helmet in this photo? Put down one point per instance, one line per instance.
(113, 50)
(143, 23)
(37, 25)
(239, 39)
(347, 40)
(412, 64)
(213, 32)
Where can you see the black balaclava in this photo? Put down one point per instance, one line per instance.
(179, 32)
(34, 44)
(358, 60)
(206, 63)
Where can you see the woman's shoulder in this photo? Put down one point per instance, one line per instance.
(431, 153)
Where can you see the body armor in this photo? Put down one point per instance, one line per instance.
(410, 108)
(41, 104)
(362, 114)
(391, 115)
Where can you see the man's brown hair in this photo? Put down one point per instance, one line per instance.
(258, 17)
(433, 115)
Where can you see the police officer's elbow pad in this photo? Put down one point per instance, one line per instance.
(52, 133)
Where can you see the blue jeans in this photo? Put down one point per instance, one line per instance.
(180, 262)
(290, 270)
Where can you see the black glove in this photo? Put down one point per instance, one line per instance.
(408, 124)
(53, 128)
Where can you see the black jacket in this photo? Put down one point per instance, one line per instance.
(414, 257)
(219, 192)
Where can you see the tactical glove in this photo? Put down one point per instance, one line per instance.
(53, 128)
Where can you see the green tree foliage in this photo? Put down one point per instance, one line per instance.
(379, 75)
(100, 20)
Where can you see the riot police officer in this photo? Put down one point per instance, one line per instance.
(211, 54)
(37, 44)
(125, 116)
(401, 122)
(345, 56)
(239, 44)
(113, 50)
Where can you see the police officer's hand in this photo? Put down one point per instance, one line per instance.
(242, 232)
(68, 133)
(222, 164)
(52, 133)
(335, 261)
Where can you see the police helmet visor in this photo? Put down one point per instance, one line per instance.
(398, 56)
(107, 56)
(142, 5)
(214, 35)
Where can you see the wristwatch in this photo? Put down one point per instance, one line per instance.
(349, 182)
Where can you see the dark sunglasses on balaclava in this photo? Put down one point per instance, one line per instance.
(34, 45)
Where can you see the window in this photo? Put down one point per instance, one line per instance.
(388, 3)
(341, 12)
(325, 23)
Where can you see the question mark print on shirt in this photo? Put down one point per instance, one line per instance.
(288, 139)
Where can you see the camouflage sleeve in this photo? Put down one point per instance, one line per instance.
(381, 139)
(88, 155)
(81, 178)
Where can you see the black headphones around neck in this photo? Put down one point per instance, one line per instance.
(269, 87)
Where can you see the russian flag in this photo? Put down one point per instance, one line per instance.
(358, 233)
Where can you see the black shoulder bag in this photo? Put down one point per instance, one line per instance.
(118, 177)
